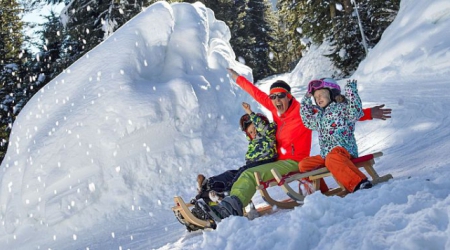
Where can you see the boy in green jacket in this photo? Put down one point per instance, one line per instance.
(262, 149)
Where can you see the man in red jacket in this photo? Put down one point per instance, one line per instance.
(293, 140)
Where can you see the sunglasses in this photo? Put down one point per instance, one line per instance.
(279, 95)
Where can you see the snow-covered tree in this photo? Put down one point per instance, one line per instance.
(375, 16)
(89, 22)
(290, 31)
(11, 39)
(256, 37)
(337, 22)
(51, 59)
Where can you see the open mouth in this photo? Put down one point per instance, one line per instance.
(279, 106)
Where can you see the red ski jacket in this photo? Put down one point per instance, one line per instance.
(293, 138)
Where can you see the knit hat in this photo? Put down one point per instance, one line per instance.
(280, 86)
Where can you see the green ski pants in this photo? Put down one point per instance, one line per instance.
(245, 186)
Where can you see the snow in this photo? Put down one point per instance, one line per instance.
(97, 155)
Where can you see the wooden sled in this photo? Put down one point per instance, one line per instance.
(296, 198)
(183, 211)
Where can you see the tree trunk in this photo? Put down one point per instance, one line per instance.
(348, 7)
(333, 12)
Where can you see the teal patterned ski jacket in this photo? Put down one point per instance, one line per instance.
(335, 123)
(264, 146)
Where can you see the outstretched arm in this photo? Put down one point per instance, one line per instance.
(377, 112)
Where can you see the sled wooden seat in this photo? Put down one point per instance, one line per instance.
(367, 162)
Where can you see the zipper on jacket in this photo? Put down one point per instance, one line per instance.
(292, 148)
(279, 129)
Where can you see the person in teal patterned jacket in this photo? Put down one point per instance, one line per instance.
(334, 118)
(261, 149)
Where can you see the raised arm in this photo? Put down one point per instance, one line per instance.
(260, 125)
(251, 89)
(309, 113)
(354, 106)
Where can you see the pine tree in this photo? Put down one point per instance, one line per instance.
(375, 15)
(336, 22)
(315, 19)
(283, 56)
(291, 15)
(52, 60)
(11, 27)
(348, 48)
(256, 33)
(11, 39)
(89, 22)
(281, 59)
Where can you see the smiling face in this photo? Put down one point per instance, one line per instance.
(251, 130)
(281, 103)
(322, 97)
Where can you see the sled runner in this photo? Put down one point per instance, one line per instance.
(184, 212)
(367, 162)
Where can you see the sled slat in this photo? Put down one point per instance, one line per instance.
(286, 204)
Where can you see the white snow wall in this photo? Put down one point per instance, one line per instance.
(103, 132)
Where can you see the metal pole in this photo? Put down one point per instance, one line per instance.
(361, 28)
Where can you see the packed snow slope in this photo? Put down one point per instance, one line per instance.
(97, 155)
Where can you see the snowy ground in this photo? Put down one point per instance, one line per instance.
(97, 155)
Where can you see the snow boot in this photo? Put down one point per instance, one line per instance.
(364, 184)
(200, 211)
(230, 205)
(306, 187)
(210, 211)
